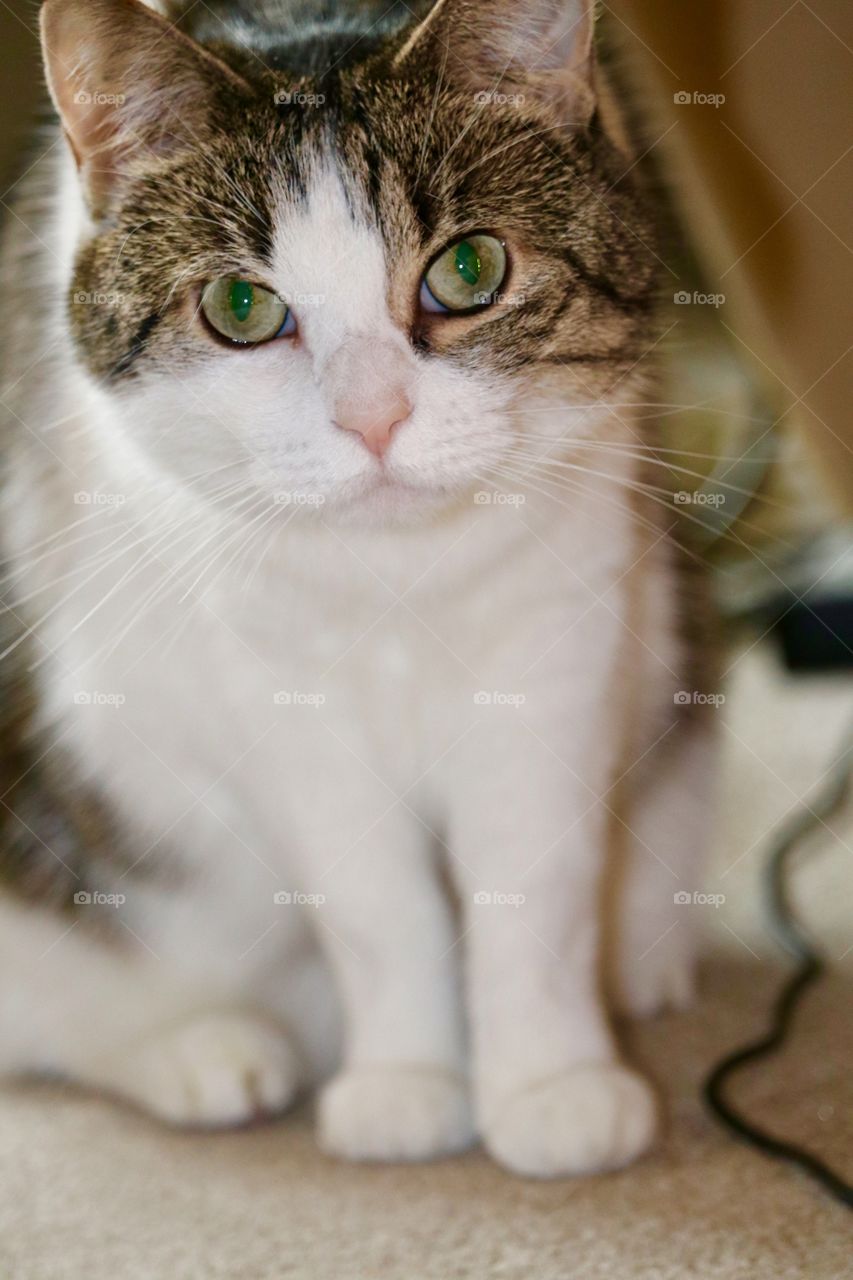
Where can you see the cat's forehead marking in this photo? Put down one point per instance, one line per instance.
(329, 260)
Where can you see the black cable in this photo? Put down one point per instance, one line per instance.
(810, 966)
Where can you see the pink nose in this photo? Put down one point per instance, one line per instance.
(375, 423)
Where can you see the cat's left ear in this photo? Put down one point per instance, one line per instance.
(539, 47)
(126, 82)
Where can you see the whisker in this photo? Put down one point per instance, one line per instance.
(582, 442)
(652, 493)
(583, 491)
(159, 533)
(22, 557)
(161, 586)
(176, 627)
(275, 532)
(264, 500)
(604, 405)
(659, 462)
(102, 553)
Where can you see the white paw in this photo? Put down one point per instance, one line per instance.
(217, 1070)
(589, 1120)
(388, 1113)
(657, 977)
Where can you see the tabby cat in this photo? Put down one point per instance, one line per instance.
(341, 631)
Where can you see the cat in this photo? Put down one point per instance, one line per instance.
(342, 634)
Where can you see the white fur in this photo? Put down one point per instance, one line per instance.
(384, 614)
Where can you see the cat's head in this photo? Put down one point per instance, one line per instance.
(347, 286)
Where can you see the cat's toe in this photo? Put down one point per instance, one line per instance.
(590, 1119)
(214, 1071)
(395, 1114)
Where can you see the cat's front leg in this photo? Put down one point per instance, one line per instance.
(402, 1092)
(551, 1095)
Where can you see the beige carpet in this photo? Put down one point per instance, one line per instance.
(91, 1192)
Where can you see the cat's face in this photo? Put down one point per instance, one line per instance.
(346, 291)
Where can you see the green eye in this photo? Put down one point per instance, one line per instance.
(465, 276)
(244, 312)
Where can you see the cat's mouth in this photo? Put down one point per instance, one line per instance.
(384, 485)
(383, 480)
(382, 475)
(384, 492)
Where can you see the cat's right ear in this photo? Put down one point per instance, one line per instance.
(125, 82)
(541, 48)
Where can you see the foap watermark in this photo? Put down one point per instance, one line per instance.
(501, 299)
(307, 299)
(497, 698)
(298, 698)
(287, 499)
(696, 98)
(698, 498)
(97, 298)
(497, 498)
(298, 98)
(494, 898)
(696, 899)
(94, 898)
(685, 298)
(696, 698)
(95, 498)
(96, 698)
(84, 98)
(491, 98)
(296, 898)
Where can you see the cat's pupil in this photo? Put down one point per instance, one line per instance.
(468, 262)
(241, 297)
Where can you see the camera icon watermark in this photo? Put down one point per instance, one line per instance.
(298, 698)
(501, 299)
(498, 698)
(96, 298)
(696, 899)
(286, 498)
(85, 898)
(296, 898)
(491, 98)
(494, 898)
(307, 299)
(84, 98)
(497, 498)
(698, 498)
(683, 298)
(95, 498)
(696, 698)
(95, 698)
(298, 98)
(685, 98)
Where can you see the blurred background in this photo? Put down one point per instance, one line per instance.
(749, 114)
